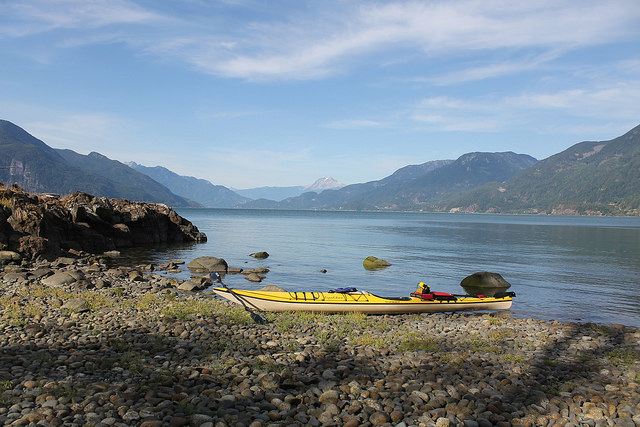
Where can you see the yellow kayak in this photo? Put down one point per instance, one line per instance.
(361, 301)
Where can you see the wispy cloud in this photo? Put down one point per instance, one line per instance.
(484, 71)
(309, 43)
(313, 47)
(618, 102)
(37, 16)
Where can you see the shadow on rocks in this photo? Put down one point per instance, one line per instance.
(130, 370)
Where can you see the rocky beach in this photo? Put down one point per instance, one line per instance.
(85, 340)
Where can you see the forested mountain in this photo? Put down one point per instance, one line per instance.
(596, 178)
(36, 167)
(199, 190)
(415, 187)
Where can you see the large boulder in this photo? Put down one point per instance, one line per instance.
(373, 263)
(59, 279)
(195, 284)
(208, 264)
(255, 277)
(484, 283)
(9, 256)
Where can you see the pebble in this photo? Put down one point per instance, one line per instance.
(126, 354)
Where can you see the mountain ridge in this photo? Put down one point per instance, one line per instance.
(38, 168)
(199, 190)
(590, 177)
(409, 188)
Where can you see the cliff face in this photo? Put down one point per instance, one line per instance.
(36, 225)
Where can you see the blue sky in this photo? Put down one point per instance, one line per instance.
(250, 93)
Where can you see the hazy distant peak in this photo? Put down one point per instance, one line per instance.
(325, 183)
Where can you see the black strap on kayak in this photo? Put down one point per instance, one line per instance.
(343, 290)
(504, 294)
(448, 298)
(257, 318)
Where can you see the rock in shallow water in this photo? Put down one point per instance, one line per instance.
(484, 283)
(260, 255)
(373, 263)
(208, 264)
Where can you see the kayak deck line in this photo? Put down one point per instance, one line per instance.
(358, 301)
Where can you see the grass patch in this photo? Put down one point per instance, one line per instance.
(622, 357)
(454, 359)
(294, 321)
(16, 312)
(118, 291)
(500, 334)
(479, 344)
(171, 305)
(600, 329)
(327, 339)
(42, 291)
(237, 315)
(495, 321)
(414, 341)
(183, 309)
(149, 302)
(97, 300)
(509, 357)
(375, 341)
(290, 345)
(5, 385)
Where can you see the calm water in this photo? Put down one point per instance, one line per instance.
(566, 268)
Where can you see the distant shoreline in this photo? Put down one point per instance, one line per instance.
(408, 212)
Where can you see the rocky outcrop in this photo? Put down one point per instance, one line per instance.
(36, 225)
